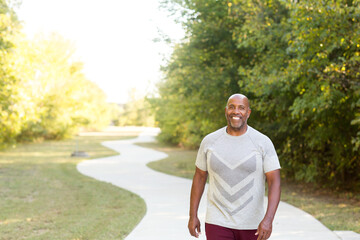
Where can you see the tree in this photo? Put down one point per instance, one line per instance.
(56, 96)
(297, 61)
(10, 117)
(305, 85)
(51, 97)
(43, 92)
(136, 112)
(200, 75)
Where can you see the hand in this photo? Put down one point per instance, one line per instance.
(194, 226)
(264, 230)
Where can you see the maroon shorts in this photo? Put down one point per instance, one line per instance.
(215, 232)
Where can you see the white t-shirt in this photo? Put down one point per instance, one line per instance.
(236, 167)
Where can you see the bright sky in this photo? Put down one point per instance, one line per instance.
(114, 38)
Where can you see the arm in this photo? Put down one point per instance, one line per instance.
(265, 227)
(197, 190)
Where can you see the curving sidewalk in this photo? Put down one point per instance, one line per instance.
(167, 197)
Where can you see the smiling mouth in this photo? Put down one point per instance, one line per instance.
(235, 118)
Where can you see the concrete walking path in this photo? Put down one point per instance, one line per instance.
(167, 197)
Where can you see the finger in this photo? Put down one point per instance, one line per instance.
(192, 231)
(259, 233)
(261, 236)
(198, 230)
(267, 235)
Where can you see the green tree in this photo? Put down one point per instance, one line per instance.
(201, 73)
(54, 95)
(43, 92)
(10, 117)
(305, 84)
(60, 98)
(298, 62)
(136, 112)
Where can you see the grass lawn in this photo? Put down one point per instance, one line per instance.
(334, 210)
(43, 196)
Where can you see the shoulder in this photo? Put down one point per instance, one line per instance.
(257, 137)
(212, 137)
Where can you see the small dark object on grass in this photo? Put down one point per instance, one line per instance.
(79, 154)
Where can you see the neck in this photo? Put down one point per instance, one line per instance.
(236, 131)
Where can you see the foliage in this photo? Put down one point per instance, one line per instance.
(305, 85)
(202, 70)
(43, 92)
(9, 115)
(136, 112)
(298, 62)
(54, 94)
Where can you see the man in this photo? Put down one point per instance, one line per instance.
(238, 159)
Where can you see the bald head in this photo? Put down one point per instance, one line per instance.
(237, 112)
(239, 96)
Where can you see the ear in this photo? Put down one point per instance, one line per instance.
(249, 112)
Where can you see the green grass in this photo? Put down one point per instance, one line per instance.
(179, 163)
(43, 196)
(336, 211)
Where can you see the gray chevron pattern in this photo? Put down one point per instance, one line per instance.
(236, 210)
(234, 177)
(232, 198)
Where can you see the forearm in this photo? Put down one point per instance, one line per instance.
(265, 227)
(274, 192)
(197, 190)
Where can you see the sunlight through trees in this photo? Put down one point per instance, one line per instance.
(43, 92)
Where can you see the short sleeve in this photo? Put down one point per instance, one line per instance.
(270, 157)
(201, 161)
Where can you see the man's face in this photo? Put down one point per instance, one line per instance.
(237, 112)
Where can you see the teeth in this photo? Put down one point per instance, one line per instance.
(237, 118)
